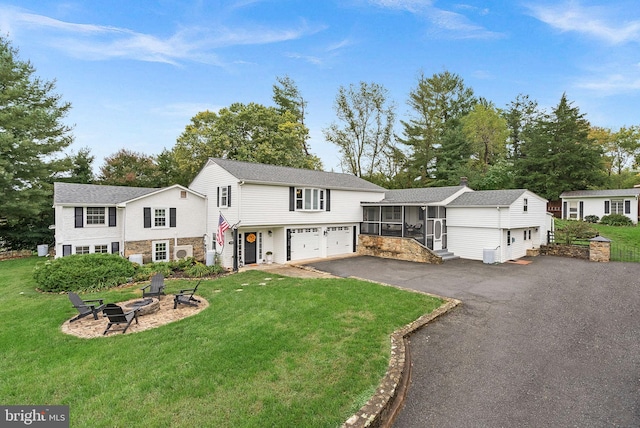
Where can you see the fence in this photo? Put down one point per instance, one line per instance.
(624, 253)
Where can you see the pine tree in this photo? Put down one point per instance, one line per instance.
(31, 135)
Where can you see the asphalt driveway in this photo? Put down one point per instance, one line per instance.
(555, 343)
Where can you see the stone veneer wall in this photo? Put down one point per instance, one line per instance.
(599, 251)
(575, 251)
(144, 248)
(8, 255)
(391, 247)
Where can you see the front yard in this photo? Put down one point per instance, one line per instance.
(268, 351)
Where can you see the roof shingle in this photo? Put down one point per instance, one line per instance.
(87, 194)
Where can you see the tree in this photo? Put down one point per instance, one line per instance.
(129, 168)
(437, 104)
(520, 115)
(289, 99)
(558, 155)
(32, 134)
(365, 137)
(246, 132)
(81, 167)
(487, 132)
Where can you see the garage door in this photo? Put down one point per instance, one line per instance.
(305, 243)
(339, 240)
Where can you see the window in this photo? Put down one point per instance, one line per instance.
(101, 249)
(160, 251)
(84, 249)
(508, 238)
(392, 214)
(159, 217)
(573, 209)
(525, 235)
(309, 199)
(525, 206)
(224, 196)
(183, 194)
(529, 233)
(617, 206)
(95, 215)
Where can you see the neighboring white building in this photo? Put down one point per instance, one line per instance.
(289, 214)
(581, 203)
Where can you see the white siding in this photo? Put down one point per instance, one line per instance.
(470, 242)
(89, 235)
(190, 216)
(595, 206)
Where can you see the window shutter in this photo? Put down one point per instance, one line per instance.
(581, 210)
(606, 207)
(564, 210)
(79, 217)
(172, 217)
(218, 198)
(328, 203)
(66, 250)
(627, 207)
(112, 216)
(115, 248)
(229, 196)
(292, 198)
(147, 217)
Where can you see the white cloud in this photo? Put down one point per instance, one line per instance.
(595, 21)
(96, 42)
(615, 83)
(445, 23)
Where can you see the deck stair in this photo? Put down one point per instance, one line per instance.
(446, 255)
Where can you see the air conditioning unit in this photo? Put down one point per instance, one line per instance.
(182, 251)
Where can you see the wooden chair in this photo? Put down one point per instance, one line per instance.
(185, 297)
(117, 316)
(86, 307)
(155, 288)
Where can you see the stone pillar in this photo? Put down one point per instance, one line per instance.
(599, 249)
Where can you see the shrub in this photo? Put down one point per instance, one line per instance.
(83, 272)
(199, 270)
(616, 220)
(571, 231)
(591, 219)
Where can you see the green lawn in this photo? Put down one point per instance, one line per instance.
(279, 352)
(625, 240)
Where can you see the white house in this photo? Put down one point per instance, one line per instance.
(581, 203)
(158, 224)
(288, 214)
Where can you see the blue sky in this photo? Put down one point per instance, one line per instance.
(136, 72)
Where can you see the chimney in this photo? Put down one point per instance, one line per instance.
(464, 181)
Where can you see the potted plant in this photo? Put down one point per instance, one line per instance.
(269, 257)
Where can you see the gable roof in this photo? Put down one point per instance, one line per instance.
(600, 193)
(486, 198)
(97, 194)
(420, 196)
(282, 175)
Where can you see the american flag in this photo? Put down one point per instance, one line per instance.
(223, 226)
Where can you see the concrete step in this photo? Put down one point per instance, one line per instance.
(446, 255)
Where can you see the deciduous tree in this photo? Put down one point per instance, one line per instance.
(129, 168)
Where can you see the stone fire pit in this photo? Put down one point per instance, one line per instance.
(144, 306)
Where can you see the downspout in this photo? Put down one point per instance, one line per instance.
(500, 231)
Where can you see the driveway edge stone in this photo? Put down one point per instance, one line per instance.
(381, 410)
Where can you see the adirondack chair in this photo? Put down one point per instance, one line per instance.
(155, 288)
(117, 316)
(85, 307)
(185, 297)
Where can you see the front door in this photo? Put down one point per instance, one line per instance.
(437, 234)
(250, 239)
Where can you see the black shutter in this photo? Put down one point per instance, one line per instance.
(112, 216)
(292, 198)
(66, 250)
(218, 197)
(606, 207)
(627, 207)
(115, 248)
(328, 199)
(172, 217)
(564, 210)
(581, 210)
(229, 196)
(147, 217)
(79, 217)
